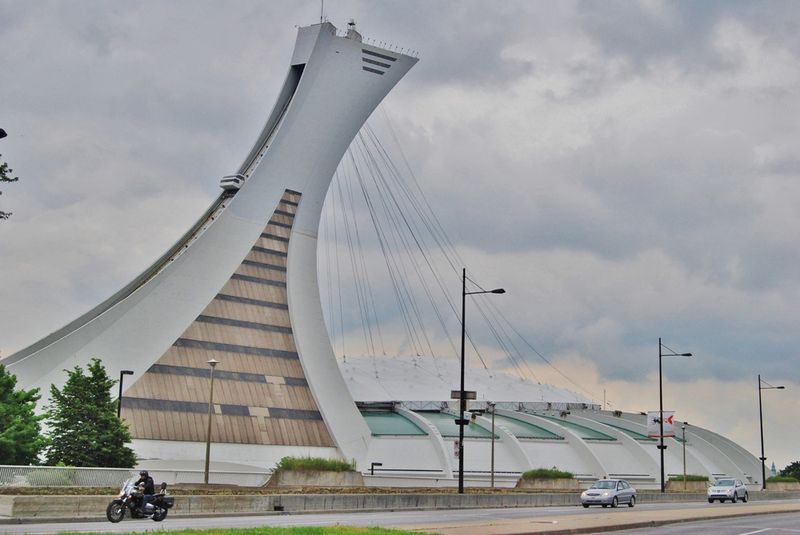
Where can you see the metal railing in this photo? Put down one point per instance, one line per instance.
(63, 476)
(67, 476)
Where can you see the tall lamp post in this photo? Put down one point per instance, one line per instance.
(761, 425)
(661, 447)
(122, 374)
(683, 440)
(462, 398)
(213, 363)
(492, 405)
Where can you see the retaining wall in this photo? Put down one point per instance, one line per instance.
(27, 508)
(315, 478)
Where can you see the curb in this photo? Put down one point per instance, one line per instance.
(646, 524)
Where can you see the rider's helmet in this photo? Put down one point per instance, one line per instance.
(144, 473)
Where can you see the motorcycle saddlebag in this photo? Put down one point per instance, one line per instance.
(167, 501)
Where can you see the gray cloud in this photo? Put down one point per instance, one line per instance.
(627, 170)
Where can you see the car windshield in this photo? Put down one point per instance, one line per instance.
(604, 485)
(724, 483)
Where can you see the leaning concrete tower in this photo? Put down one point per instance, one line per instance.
(241, 287)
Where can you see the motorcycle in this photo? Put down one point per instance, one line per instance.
(132, 500)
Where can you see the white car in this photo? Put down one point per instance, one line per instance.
(727, 489)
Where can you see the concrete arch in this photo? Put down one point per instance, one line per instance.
(632, 447)
(571, 438)
(435, 436)
(512, 441)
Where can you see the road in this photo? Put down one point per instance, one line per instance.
(777, 524)
(474, 521)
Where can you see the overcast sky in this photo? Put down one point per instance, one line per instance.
(625, 170)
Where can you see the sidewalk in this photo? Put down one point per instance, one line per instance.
(605, 520)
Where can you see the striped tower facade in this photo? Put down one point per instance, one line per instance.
(241, 287)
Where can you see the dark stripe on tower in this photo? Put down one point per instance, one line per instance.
(249, 301)
(244, 324)
(234, 348)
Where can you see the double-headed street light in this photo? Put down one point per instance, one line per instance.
(661, 446)
(761, 425)
(462, 397)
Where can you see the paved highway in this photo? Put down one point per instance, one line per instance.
(777, 524)
(462, 521)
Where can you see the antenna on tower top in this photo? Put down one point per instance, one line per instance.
(321, 10)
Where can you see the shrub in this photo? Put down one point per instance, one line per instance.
(547, 473)
(781, 479)
(689, 477)
(313, 463)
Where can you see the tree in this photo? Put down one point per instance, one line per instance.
(5, 175)
(20, 437)
(83, 422)
(792, 470)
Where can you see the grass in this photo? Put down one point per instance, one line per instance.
(331, 530)
(547, 473)
(313, 463)
(689, 477)
(781, 479)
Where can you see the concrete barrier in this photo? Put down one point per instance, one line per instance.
(539, 483)
(28, 508)
(783, 485)
(315, 478)
(689, 486)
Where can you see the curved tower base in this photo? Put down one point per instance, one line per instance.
(241, 287)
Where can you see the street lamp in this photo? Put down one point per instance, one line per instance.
(761, 425)
(213, 363)
(492, 405)
(683, 438)
(661, 447)
(461, 397)
(122, 374)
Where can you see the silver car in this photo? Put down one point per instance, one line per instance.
(727, 489)
(607, 492)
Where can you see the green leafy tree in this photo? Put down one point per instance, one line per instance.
(5, 176)
(792, 470)
(20, 437)
(83, 422)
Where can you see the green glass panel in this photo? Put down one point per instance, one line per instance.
(391, 423)
(522, 429)
(581, 430)
(446, 424)
(630, 432)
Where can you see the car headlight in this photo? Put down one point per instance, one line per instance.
(606, 493)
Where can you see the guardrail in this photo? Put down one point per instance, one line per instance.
(63, 476)
(68, 476)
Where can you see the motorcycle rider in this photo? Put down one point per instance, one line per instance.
(148, 488)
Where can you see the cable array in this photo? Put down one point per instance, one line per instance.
(377, 213)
